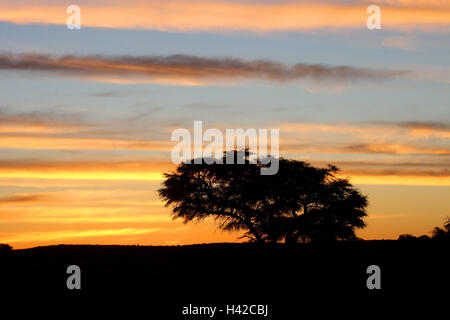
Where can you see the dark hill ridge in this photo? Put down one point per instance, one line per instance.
(231, 273)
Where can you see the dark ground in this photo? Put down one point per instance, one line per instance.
(160, 280)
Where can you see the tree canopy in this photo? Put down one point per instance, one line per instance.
(299, 203)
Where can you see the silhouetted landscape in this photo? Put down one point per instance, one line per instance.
(284, 277)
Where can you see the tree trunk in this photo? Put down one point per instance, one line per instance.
(255, 232)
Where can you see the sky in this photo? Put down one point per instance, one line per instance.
(86, 115)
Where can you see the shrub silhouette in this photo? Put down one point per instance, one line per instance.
(442, 234)
(407, 236)
(5, 247)
(299, 203)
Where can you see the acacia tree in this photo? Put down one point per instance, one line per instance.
(299, 203)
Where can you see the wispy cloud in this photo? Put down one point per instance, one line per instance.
(41, 121)
(400, 42)
(11, 141)
(186, 69)
(22, 199)
(438, 126)
(375, 138)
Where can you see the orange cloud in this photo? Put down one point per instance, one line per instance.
(62, 143)
(393, 148)
(436, 130)
(399, 178)
(87, 171)
(232, 16)
(297, 139)
(381, 138)
(104, 198)
(97, 174)
(393, 172)
(22, 199)
(291, 146)
(11, 128)
(402, 180)
(89, 214)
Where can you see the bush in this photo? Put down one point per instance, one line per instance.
(5, 247)
(406, 237)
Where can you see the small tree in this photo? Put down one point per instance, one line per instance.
(442, 234)
(299, 203)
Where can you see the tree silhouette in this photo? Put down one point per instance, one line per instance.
(299, 203)
(4, 247)
(442, 234)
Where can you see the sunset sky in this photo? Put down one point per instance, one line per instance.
(86, 115)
